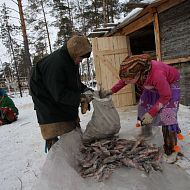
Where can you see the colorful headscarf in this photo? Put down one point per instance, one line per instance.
(133, 66)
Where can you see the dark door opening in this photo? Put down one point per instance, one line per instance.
(143, 41)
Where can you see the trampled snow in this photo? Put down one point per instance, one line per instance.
(22, 147)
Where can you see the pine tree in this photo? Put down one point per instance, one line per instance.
(39, 27)
(111, 10)
(62, 12)
(7, 33)
(126, 8)
(7, 30)
(81, 15)
(97, 14)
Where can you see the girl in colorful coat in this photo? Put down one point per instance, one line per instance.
(159, 101)
(8, 110)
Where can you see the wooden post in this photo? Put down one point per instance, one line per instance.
(128, 45)
(157, 36)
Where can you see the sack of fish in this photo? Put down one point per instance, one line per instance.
(105, 121)
(101, 158)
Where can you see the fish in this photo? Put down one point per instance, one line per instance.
(137, 143)
(100, 158)
(99, 172)
(157, 167)
(104, 151)
(147, 167)
(89, 163)
(106, 173)
(110, 159)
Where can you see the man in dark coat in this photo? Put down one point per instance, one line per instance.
(56, 88)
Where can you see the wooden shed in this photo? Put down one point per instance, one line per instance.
(162, 29)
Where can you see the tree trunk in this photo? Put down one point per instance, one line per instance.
(104, 12)
(46, 26)
(26, 46)
(95, 10)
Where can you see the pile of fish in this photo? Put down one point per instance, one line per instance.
(101, 158)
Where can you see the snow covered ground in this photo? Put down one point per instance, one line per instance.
(22, 148)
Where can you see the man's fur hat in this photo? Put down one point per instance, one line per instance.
(79, 46)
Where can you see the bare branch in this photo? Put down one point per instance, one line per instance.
(14, 2)
(12, 9)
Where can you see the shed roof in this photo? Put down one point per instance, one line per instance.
(98, 32)
(134, 15)
(154, 6)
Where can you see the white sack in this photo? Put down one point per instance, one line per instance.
(105, 121)
(60, 172)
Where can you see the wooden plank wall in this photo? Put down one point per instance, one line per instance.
(175, 31)
(108, 53)
(175, 43)
(184, 69)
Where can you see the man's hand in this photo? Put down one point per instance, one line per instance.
(147, 119)
(87, 95)
(104, 93)
(85, 100)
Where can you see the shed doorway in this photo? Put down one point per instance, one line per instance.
(108, 53)
(143, 41)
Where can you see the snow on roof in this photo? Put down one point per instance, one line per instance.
(123, 21)
(97, 34)
(131, 15)
(149, 1)
(105, 28)
(135, 12)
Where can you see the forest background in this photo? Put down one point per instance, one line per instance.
(32, 29)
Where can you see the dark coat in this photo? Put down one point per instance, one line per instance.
(56, 87)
